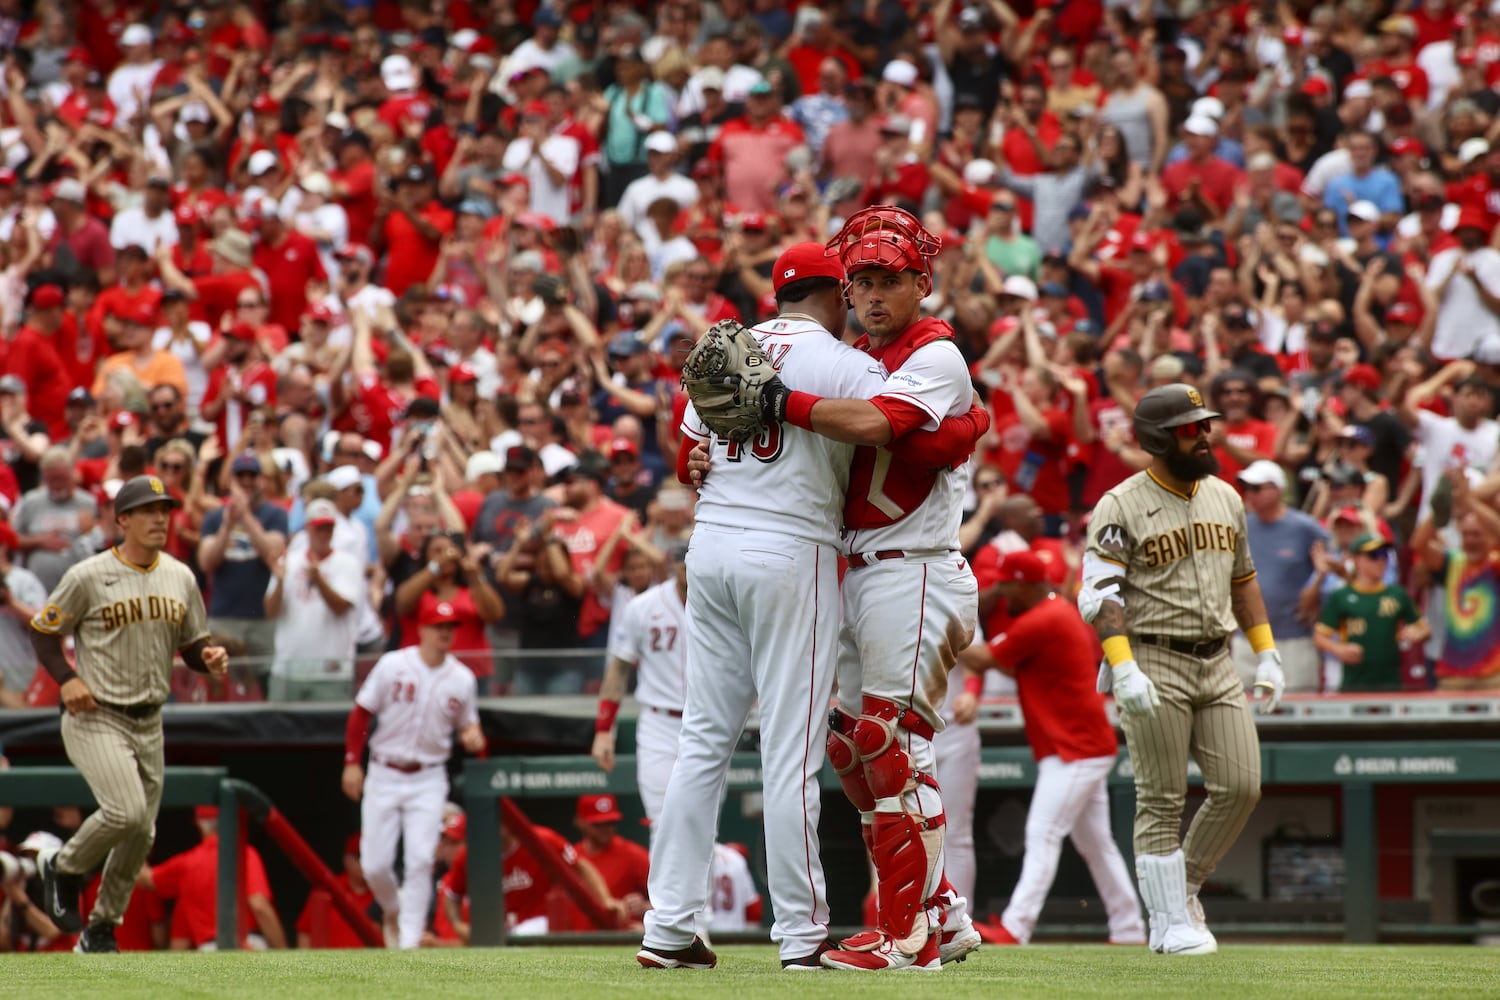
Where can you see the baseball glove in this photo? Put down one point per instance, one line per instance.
(729, 378)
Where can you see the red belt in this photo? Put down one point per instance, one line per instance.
(408, 767)
(673, 712)
(859, 560)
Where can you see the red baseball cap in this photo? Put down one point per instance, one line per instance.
(753, 222)
(1474, 217)
(534, 109)
(1292, 35)
(318, 312)
(456, 826)
(47, 297)
(805, 260)
(510, 179)
(462, 372)
(123, 419)
(241, 331)
(623, 446)
(1402, 312)
(599, 809)
(1364, 376)
(1349, 512)
(1466, 57)
(1406, 145)
(1316, 86)
(266, 105)
(79, 54)
(439, 613)
(142, 313)
(205, 812)
(1024, 566)
(1142, 241)
(186, 215)
(356, 251)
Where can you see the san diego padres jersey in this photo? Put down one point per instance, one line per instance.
(127, 622)
(653, 637)
(788, 480)
(1179, 554)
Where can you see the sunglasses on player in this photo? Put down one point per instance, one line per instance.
(1192, 430)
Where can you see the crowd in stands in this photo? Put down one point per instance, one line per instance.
(393, 296)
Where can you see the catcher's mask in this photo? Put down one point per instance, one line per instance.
(884, 236)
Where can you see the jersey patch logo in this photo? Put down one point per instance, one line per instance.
(50, 617)
(1194, 397)
(1112, 538)
(156, 486)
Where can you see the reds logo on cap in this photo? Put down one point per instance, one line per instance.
(789, 272)
(445, 609)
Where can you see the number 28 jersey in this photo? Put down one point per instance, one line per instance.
(788, 480)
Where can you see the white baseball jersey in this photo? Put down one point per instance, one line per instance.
(812, 472)
(733, 890)
(935, 378)
(417, 707)
(653, 636)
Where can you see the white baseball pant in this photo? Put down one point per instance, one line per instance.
(656, 735)
(408, 808)
(1071, 800)
(957, 748)
(763, 622)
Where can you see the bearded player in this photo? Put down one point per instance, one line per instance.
(1167, 576)
(910, 599)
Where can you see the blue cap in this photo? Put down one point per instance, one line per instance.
(246, 463)
(1054, 289)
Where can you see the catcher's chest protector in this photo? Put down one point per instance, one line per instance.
(882, 492)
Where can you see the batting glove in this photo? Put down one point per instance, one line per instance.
(1270, 682)
(1134, 692)
(1091, 600)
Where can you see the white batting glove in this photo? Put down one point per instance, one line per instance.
(1091, 600)
(1134, 692)
(1270, 682)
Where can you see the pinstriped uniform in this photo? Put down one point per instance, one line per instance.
(127, 623)
(1178, 556)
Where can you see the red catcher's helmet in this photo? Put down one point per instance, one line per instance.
(884, 236)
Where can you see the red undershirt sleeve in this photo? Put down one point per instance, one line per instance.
(947, 447)
(904, 416)
(355, 734)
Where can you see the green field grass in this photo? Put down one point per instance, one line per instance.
(1282, 972)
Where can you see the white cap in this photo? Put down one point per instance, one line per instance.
(111, 488)
(372, 450)
(69, 189)
(39, 841)
(1201, 125)
(1366, 210)
(661, 142)
(1487, 351)
(1472, 149)
(1263, 472)
(483, 463)
(1262, 161)
(899, 71)
(1209, 107)
(194, 111)
(1358, 88)
(979, 172)
(710, 78)
(344, 477)
(317, 183)
(320, 512)
(1020, 286)
(260, 161)
(336, 119)
(463, 38)
(136, 34)
(396, 73)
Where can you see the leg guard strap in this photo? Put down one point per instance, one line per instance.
(889, 711)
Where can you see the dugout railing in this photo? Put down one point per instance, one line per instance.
(1354, 767)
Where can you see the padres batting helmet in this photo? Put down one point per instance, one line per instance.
(1166, 407)
(140, 491)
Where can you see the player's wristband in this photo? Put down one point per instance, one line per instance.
(1117, 650)
(605, 721)
(1260, 637)
(799, 406)
(974, 684)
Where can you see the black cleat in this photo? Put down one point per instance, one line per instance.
(695, 956)
(97, 939)
(807, 963)
(60, 894)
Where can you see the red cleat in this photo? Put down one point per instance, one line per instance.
(994, 932)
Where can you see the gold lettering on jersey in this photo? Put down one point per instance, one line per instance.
(136, 609)
(1180, 543)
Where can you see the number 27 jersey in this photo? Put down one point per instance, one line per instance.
(788, 480)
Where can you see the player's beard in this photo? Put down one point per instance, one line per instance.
(1189, 467)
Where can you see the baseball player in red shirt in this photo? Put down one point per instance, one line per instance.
(1054, 656)
(623, 864)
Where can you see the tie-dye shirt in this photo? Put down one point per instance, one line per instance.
(1471, 604)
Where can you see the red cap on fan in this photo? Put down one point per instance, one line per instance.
(805, 260)
(1024, 566)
